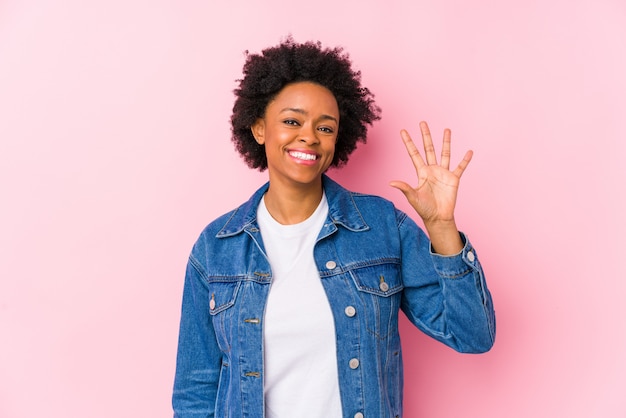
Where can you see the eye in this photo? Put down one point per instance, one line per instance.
(291, 122)
(326, 129)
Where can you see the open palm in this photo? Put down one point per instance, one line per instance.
(434, 197)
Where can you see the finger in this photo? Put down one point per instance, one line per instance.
(414, 153)
(405, 188)
(429, 148)
(463, 164)
(400, 185)
(445, 150)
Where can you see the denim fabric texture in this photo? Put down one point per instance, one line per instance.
(373, 261)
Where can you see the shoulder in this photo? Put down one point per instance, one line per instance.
(235, 221)
(216, 225)
(365, 199)
(370, 208)
(377, 208)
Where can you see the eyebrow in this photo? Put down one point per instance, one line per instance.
(304, 112)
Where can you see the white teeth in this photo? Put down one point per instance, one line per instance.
(302, 155)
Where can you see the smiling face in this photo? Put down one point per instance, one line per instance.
(299, 131)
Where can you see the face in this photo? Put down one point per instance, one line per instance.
(299, 131)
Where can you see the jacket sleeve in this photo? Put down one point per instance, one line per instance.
(445, 296)
(199, 359)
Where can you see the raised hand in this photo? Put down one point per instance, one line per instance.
(434, 197)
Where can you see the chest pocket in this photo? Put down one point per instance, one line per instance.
(380, 290)
(222, 296)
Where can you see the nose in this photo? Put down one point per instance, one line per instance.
(308, 135)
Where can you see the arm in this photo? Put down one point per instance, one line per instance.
(446, 296)
(199, 359)
(449, 300)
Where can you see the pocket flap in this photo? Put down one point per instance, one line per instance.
(381, 279)
(222, 295)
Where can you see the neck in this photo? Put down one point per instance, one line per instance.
(290, 206)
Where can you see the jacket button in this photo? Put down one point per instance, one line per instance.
(384, 286)
(354, 363)
(471, 257)
(331, 265)
(358, 415)
(350, 311)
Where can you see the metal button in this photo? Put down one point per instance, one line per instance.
(331, 265)
(354, 363)
(470, 256)
(350, 311)
(358, 415)
(384, 286)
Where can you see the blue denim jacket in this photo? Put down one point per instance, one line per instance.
(373, 260)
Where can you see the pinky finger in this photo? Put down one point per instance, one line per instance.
(463, 164)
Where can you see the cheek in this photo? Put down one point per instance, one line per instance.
(330, 151)
(332, 145)
(281, 137)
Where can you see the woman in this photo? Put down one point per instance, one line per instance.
(291, 301)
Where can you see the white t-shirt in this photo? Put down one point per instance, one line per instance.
(300, 358)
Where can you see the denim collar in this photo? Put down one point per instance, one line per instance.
(342, 210)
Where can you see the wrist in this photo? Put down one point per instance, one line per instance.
(441, 226)
(444, 237)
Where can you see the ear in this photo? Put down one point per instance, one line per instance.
(258, 130)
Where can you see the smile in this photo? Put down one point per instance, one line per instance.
(303, 155)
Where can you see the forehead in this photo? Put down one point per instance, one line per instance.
(305, 94)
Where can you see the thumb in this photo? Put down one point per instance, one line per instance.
(402, 186)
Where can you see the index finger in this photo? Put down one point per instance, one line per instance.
(414, 153)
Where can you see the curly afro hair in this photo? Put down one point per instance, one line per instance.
(266, 74)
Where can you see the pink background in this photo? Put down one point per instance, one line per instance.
(115, 153)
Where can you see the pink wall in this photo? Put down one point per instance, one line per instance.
(115, 152)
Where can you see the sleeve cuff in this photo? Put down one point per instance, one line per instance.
(456, 265)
